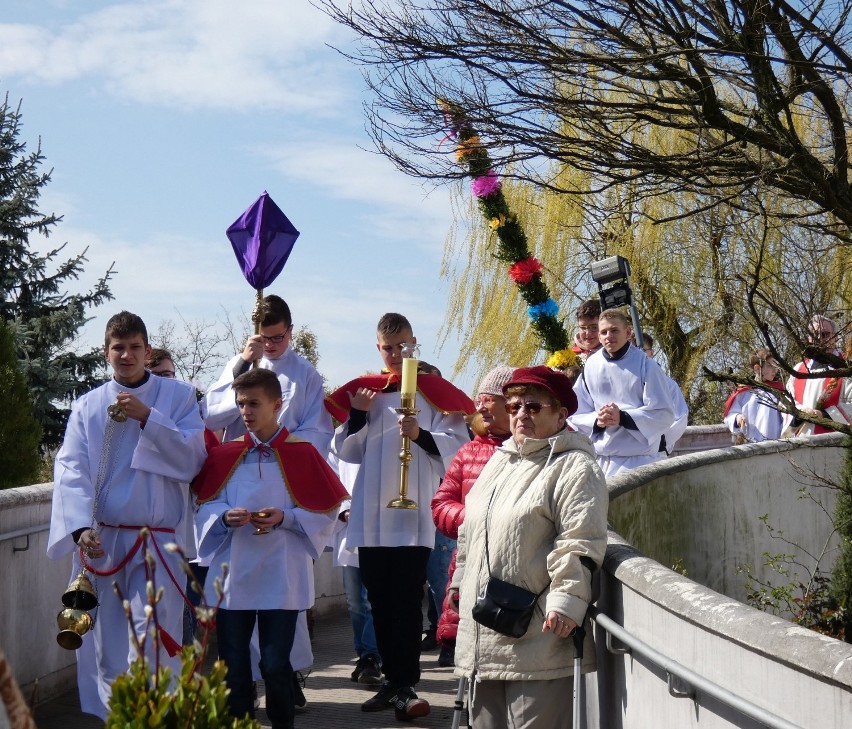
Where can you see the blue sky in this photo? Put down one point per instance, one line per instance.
(163, 120)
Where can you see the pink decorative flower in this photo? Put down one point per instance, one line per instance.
(525, 271)
(486, 185)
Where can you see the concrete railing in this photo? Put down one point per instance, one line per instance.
(702, 511)
(796, 674)
(701, 507)
(32, 586)
(702, 438)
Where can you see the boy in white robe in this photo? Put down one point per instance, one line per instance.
(623, 400)
(681, 409)
(302, 412)
(394, 544)
(752, 414)
(268, 505)
(114, 475)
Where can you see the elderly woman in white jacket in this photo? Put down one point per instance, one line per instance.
(542, 500)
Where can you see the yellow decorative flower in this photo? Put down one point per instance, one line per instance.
(563, 359)
(467, 147)
(497, 222)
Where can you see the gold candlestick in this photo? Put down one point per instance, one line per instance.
(408, 406)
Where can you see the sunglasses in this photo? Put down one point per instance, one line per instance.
(532, 408)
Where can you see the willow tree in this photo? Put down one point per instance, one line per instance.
(693, 277)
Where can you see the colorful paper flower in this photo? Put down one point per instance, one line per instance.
(545, 308)
(563, 359)
(467, 147)
(497, 222)
(525, 271)
(486, 185)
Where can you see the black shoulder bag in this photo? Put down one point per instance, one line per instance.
(504, 608)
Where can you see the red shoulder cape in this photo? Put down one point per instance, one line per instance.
(312, 483)
(742, 388)
(438, 392)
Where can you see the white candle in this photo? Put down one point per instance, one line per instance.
(409, 376)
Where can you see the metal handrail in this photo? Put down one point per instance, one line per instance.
(25, 532)
(685, 675)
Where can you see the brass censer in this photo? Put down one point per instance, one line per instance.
(75, 621)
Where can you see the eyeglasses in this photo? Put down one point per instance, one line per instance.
(532, 408)
(275, 338)
(168, 374)
(587, 329)
(484, 401)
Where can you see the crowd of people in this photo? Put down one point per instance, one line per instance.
(511, 488)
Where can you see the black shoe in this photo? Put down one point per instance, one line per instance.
(384, 699)
(429, 642)
(407, 706)
(370, 673)
(299, 700)
(447, 657)
(359, 666)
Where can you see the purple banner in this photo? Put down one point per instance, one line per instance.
(262, 239)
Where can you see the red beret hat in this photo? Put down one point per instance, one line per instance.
(555, 382)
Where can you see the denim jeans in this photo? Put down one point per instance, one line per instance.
(437, 572)
(190, 622)
(276, 629)
(360, 613)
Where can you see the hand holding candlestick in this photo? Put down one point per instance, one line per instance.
(408, 406)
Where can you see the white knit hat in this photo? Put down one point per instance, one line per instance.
(493, 382)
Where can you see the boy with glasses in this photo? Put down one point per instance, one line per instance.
(586, 340)
(160, 363)
(303, 413)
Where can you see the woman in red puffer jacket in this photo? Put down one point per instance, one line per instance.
(491, 427)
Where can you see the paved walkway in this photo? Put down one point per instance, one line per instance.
(333, 700)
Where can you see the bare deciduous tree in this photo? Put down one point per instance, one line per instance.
(748, 92)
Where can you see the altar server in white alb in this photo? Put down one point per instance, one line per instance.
(130, 448)
(268, 505)
(394, 544)
(752, 413)
(302, 412)
(623, 401)
(681, 409)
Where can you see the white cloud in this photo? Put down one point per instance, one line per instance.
(255, 54)
(393, 202)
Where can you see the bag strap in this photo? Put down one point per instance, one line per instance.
(488, 556)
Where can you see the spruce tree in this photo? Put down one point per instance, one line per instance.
(20, 434)
(43, 316)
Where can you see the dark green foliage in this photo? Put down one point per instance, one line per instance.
(841, 576)
(42, 315)
(20, 434)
